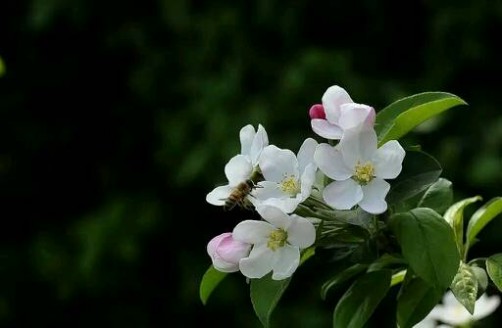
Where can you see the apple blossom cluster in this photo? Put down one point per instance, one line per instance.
(279, 183)
(376, 216)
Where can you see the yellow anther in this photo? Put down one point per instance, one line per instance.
(277, 238)
(290, 185)
(364, 173)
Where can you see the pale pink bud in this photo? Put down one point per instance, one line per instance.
(226, 252)
(317, 111)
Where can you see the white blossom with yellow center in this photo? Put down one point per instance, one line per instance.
(358, 169)
(241, 167)
(277, 241)
(288, 178)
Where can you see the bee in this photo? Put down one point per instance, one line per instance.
(239, 194)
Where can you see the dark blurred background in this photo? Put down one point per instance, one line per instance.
(117, 118)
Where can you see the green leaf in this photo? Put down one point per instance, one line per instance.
(482, 217)
(455, 218)
(416, 299)
(494, 268)
(398, 277)
(465, 287)
(438, 196)
(340, 278)
(400, 117)
(265, 294)
(386, 261)
(420, 171)
(210, 280)
(357, 304)
(428, 244)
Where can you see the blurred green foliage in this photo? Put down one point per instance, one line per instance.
(117, 117)
(2, 67)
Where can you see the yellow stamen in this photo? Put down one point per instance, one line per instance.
(277, 238)
(290, 185)
(364, 173)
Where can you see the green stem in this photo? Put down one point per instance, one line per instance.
(316, 202)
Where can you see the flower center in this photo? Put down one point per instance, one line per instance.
(276, 239)
(364, 173)
(290, 185)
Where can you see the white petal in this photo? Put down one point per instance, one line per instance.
(485, 306)
(260, 141)
(286, 204)
(330, 162)
(259, 263)
(276, 163)
(267, 189)
(274, 215)
(238, 169)
(325, 129)
(286, 262)
(301, 232)
(252, 231)
(426, 323)
(332, 99)
(355, 116)
(306, 154)
(358, 146)
(342, 195)
(307, 181)
(219, 195)
(374, 196)
(388, 160)
(246, 135)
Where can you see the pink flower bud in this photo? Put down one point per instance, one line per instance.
(317, 111)
(226, 252)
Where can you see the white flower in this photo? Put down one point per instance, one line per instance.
(452, 312)
(241, 167)
(288, 178)
(359, 170)
(341, 114)
(276, 243)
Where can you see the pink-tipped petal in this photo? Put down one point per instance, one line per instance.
(225, 252)
(353, 116)
(317, 111)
